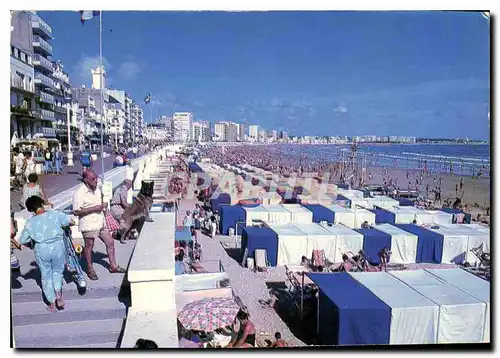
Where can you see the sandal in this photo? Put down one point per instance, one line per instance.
(118, 269)
(92, 275)
(52, 308)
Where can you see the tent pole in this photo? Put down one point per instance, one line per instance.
(317, 314)
(302, 299)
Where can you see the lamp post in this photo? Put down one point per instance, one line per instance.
(68, 124)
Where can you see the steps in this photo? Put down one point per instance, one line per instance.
(94, 320)
(98, 334)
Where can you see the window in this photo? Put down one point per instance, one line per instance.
(12, 50)
(23, 57)
(16, 53)
(29, 60)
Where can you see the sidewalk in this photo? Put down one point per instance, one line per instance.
(54, 184)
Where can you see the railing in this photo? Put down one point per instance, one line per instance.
(48, 132)
(60, 109)
(39, 42)
(42, 61)
(38, 23)
(22, 110)
(46, 98)
(47, 115)
(40, 77)
(19, 83)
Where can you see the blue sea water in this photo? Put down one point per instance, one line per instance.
(464, 159)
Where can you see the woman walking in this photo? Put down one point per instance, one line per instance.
(45, 230)
(32, 188)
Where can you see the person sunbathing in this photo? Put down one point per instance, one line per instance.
(346, 265)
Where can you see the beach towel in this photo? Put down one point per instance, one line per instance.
(318, 258)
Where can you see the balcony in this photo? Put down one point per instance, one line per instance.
(42, 45)
(47, 98)
(47, 115)
(41, 28)
(40, 61)
(44, 80)
(16, 82)
(24, 112)
(60, 109)
(48, 132)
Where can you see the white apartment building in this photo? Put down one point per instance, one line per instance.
(262, 135)
(241, 132)
(274, 135)
(231, 132)
(182, 126)
(220, 132)
(201, 131)
(253, 133)
(156, 132)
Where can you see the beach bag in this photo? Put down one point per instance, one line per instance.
(111, 222)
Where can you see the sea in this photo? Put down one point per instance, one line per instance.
(463, 159)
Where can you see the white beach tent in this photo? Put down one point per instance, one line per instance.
(342, 215)
(299, 213)
(256, 214)
(270, 198)
(455, 243)
(346, 240)
(351, 193)
(362, 215)
(476, 237)
(382, 201)
(403, 244)
(440, 217)
(406, 215)
(414, 318)
(319, 238)
(278, 214)
(471, 284)
(461, 316)
(292, 244)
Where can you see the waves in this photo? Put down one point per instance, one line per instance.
(447, 157)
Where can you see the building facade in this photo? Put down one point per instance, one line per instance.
(253, 133)
(241, 132)
(182, 126)
(201, 132)
(220, 132)
(32, 86)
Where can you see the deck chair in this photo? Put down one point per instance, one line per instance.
(261, 262)
(483, 257)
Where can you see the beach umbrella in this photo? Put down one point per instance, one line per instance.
(208, 314)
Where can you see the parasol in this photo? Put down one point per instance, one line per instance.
(208, 314)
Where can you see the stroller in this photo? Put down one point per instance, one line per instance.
(73, 262)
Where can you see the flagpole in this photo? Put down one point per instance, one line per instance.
(102, 96)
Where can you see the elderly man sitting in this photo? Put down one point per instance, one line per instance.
(119, 201)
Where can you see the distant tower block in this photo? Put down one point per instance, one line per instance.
(96, 78)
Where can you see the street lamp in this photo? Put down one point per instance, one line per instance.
(68, 115)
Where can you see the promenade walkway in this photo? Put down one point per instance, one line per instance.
(245, 284)
(94, 319)
(54, 184)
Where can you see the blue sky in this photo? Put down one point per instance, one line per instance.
(312, 73)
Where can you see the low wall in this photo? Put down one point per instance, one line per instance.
(151, 274)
